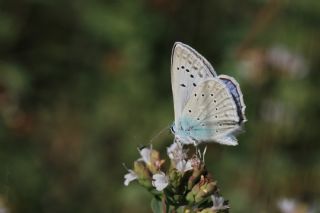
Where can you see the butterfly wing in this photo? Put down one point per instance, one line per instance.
(188, 69)
(234, 89)
(211, 114)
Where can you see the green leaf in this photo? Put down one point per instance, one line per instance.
(156, 205)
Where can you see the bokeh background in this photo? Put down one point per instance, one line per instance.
(83, 83)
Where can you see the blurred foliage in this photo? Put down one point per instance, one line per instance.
(83, 83)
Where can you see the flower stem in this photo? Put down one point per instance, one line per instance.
(164, 205)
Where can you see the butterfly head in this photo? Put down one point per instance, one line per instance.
(172, 128)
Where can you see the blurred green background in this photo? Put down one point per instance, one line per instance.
(83, 83)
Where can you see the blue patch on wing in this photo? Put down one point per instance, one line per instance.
(192, 129)
(235, 95)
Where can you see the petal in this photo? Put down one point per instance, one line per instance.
(183, 166)
(146, 155)
(160, 181)
(161, 186)
(129, 177)
(180, 165)
(171, 149)
(218, 203)
(176, 151)
(188, 166)
(158, 176)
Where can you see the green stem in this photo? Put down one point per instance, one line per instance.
(164, 205)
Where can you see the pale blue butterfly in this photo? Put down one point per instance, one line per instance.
(207, 107)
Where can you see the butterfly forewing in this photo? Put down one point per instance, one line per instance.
(188, 70)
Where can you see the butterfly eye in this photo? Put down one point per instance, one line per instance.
(189, 110)
(211, 94)
(195, 95)
(183, 85)
(187, 70)
(182, 67)
(191, 76)
(202, 95)
(194, 84)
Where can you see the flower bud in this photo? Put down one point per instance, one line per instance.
(205, 190)
(175, 178)
(190, 197)
(143, 174)
(201, 190)
(156, 162)
(196, 174)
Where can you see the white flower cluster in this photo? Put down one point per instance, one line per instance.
(178, 156)
(185, 182)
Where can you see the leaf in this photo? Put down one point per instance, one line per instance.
(156, 205)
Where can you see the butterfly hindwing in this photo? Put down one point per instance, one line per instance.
(210, 114)
(188, 69)
(234, 89)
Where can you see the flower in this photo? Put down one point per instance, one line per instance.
(146, 155)
(129, 177)
(183, 166)
(287, 205)
(176, 152)
(160, 181)
(178, 155)
(218, 203)
(151, 158)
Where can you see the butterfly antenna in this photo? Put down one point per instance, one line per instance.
(158, 134)
(124, 165)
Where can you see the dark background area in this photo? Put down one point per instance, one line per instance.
(83, 83)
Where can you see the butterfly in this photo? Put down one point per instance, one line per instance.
(207, 107)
